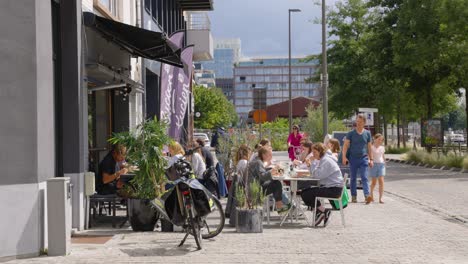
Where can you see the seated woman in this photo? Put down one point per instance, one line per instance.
(242, 159)
(194, 156)
(257, 171)
(176, 152)
(306, 155)
(263, 143)
(333, 148)
(331, 182)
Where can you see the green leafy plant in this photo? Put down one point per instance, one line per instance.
(144, 150)
(251, 197)
(449, 160)
(396, 150)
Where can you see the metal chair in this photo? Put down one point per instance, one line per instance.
(339, 199)
(268, 206)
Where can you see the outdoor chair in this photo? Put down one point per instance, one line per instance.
(96, 200)
(339, 199)
(270, 204)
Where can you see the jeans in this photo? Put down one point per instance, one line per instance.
(362, 164)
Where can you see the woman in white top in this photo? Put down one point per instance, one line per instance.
(242, 158)
(306, 155)
(378, 170)
(197, 161)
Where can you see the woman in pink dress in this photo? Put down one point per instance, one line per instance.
(294, 142)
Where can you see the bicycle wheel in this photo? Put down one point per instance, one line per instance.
(194, 223)
(213, 224)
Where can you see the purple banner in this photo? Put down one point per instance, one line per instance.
(167, 76)
(182, 78)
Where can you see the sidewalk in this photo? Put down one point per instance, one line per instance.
(394, 232)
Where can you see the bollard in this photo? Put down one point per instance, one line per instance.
(59, 216)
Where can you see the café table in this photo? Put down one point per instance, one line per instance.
(294, 177)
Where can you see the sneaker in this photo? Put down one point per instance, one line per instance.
(327, 216)
(369, 199)
(319, 216)
(284, 209)
(354, 199)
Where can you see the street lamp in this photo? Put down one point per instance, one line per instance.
(290, 90)
(324, 71)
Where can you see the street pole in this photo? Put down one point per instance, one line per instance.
(324, 71)
(290, 89)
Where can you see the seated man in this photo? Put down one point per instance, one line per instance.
(110, 169)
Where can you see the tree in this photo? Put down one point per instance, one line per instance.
(313, 124)
(214, 108)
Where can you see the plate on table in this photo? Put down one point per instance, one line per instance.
(302, 173)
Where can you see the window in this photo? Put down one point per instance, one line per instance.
(154, 11)
(242, 78)
(109, 8)
(148, 5)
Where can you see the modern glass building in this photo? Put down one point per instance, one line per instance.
(225, 55)
(273, 76)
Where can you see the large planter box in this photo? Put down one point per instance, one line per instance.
(249, 220)
(142, 215)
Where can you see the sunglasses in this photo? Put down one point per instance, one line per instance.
(295, 128)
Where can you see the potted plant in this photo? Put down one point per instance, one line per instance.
(144, 150)
(249, 211)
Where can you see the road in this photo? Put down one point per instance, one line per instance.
(440, 191)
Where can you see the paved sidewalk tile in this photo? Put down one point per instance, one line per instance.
(390, 233)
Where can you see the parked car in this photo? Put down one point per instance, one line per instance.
(203, 136)
(457, 138)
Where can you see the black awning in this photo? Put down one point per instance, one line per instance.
(196, 5)
(137, 41)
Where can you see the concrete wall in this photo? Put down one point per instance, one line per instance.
(27, 129)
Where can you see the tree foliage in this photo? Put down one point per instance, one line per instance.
(214, 108)
(404, 57)
(313, 124)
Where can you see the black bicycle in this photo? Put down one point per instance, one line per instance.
(189, 203)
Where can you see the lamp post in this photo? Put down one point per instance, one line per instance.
(324, 71)
(290, 90)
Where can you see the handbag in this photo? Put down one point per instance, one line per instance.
(344, 200)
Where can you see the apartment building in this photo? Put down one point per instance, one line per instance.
(265, 81)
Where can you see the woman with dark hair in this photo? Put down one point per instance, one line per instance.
(257, 171)
(294, 142)
(331, 182)
(306, 155)
(207, 156)
(263, 143)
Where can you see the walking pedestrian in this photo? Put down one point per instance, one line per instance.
(378, 171)
(358, 141)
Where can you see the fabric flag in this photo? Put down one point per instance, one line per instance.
(182, 78)
(167, 76)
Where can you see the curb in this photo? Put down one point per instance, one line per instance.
(435, 167)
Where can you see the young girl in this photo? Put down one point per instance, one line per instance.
(333, 148)
(378, 170)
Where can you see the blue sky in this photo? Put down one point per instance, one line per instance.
(262, 26)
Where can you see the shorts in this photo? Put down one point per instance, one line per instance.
(377, 170)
